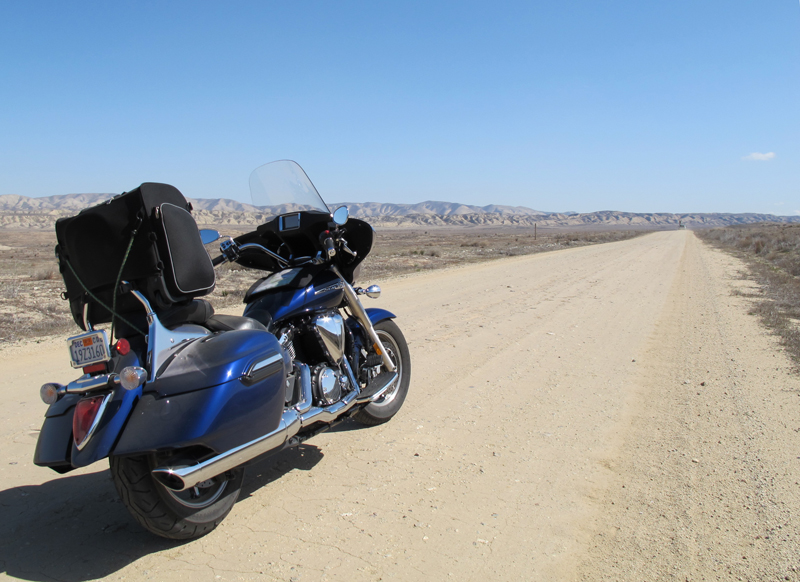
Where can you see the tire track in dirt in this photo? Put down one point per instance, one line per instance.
(706, 482)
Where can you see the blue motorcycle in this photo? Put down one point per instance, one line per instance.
(179, 398)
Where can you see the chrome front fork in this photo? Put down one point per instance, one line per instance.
(361, 315)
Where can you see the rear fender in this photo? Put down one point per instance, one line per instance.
(108, 429)
(54, 446)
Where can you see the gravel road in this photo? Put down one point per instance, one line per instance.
(601, 413)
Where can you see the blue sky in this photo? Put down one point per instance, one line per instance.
(572, 105)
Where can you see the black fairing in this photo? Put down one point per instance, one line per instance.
(359, 236)
(304, 242)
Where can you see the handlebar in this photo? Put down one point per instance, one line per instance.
(328, 244)
(231, 251)
(330, 248)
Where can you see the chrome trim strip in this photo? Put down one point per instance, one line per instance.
(363, 318)
(95, 422)
(86, 322)
(264, 363)
(84, 384)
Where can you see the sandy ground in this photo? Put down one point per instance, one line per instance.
(602, 413)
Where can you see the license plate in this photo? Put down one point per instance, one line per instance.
(88, 348)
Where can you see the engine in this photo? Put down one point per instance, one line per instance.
(320, 343)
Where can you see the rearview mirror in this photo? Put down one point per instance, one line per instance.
(208, 236)
(340, 215)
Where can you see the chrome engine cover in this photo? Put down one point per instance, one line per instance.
(329, 329)
(327, 384)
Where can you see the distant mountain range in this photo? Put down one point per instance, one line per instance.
(76, 202)
(21, 211)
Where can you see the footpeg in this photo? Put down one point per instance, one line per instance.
(377, 387)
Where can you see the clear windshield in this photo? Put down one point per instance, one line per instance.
(281, 187)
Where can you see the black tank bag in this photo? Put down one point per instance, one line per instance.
(167, 261)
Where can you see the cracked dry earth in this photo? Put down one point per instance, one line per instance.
(602, 413)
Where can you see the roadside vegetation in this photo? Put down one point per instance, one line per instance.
(30, 284)
(772, 253)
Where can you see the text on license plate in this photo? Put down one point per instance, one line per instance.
(88, 348)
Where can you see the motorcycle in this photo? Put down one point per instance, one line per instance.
(183, 399)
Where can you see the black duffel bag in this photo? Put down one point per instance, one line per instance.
(151, 236)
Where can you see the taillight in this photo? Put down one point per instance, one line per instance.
(122, 347)
(95, 368)
(85, 412)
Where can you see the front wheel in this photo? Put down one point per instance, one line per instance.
(178, 515)
(389, 404)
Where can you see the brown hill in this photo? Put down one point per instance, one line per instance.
(24, 212)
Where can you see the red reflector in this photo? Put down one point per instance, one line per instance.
(82, 420)
(101, 367)
(123, 347)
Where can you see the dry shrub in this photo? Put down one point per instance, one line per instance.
(772, 254)
(45, 274)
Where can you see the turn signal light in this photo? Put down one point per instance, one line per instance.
(50, 392)
(132, 377)
(82, 419)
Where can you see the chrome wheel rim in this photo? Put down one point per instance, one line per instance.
(392, 350)
(199, 496)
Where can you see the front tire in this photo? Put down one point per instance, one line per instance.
(171, 514)
(383, 409)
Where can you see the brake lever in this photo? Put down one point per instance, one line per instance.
(345, 248)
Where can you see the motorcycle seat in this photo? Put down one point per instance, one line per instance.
(232, 322)
(196, 311)
(200, 312)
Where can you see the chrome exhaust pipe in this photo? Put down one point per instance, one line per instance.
(292, 420)
(306, 396)
(182, 478)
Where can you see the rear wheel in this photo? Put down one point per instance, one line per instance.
(394, 344)
(174, 514)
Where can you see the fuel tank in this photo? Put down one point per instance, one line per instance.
(292, 292)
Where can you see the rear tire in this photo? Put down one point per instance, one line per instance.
(389, 404)
(172, 514)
